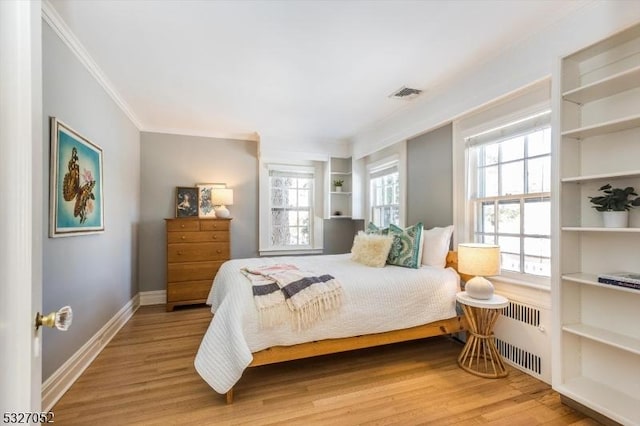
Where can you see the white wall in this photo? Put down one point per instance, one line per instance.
(526, 62)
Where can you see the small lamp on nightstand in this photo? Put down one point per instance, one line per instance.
(480, 260)
(220, 198)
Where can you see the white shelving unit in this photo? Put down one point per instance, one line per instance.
(596, 359)
(598, 229)
(340, 201)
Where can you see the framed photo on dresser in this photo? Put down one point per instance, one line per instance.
(205, 205)
(186, 201)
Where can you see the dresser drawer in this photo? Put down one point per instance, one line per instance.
(183, 225)
(193, 271)
(197, 237)
(196, 248)
(188, 290)
(194, 252)
(214, 225)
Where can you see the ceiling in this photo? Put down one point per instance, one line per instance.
(313, 71)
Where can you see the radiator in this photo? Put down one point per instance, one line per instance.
(523, 340)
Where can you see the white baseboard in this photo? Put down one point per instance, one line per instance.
(55, 386)
(157, 297)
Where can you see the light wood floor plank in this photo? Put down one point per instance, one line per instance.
(145, 376)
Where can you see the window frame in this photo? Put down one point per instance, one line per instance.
(475, 179)
(300, 171)
(380, 172)
(281, 161)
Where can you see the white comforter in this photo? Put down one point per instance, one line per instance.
(375, 300)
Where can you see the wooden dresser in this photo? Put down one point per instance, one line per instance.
(195, 250)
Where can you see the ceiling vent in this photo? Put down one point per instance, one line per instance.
(405, 93)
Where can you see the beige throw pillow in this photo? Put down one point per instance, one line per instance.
(371, 249)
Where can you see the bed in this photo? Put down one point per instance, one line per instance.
(375, 311)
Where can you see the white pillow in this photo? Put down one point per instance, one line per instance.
(371, 249)
(436, 246)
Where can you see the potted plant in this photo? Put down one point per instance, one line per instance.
(338, 184)
(615, 205)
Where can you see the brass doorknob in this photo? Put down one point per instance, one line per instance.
(60, 320)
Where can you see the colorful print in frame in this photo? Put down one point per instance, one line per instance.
(205, 207)
(76, 197)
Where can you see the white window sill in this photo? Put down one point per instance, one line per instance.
(289, 252)
(536, 283)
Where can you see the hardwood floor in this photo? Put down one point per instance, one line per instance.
(146, 376)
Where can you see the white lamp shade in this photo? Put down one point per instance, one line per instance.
(479, 259)
(222, 196)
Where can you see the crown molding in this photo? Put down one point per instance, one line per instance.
(57, 24)
(253, 136)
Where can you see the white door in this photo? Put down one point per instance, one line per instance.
(21, 211)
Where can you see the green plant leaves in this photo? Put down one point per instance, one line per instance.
(615, 199)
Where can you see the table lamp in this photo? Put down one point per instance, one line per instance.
(220, 198)
(480, 260)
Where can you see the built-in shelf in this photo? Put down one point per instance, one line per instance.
(604, 128)
(603, 176)
(606, 45)
(592, 280)
(340, 200)
(612, 403)
(604, 88)
(598, 229)
(607, 337)
(597, 358)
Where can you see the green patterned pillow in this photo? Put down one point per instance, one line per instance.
(407, 244)
(372, 228)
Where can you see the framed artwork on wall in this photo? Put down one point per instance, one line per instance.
(186, 201)
(76, 202)
(205, 207)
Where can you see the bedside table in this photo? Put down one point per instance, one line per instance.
(480, 355)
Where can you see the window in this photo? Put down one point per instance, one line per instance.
(511, 187)
(291, 197)
(384, 196)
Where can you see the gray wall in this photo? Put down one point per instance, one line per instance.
(430, 177)
(95, 274)
(339, 233)
(168, 161)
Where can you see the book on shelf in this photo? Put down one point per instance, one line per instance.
(622, 279)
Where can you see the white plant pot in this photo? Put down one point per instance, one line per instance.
(615, 219)
(338, 189)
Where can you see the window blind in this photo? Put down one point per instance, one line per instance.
(290, 174)
(383, 170)
(512, 130)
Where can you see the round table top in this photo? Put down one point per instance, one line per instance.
(496, 301)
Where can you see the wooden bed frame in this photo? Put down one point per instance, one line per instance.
(330, 346)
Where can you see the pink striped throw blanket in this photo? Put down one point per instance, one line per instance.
(283, 293)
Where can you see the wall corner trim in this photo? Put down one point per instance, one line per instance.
(157, 297)
(61, 380)
(55, 21)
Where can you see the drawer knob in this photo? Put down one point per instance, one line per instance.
(184, 237)
(182, 225)
(218, 251)
(179, 252)
(215, 237)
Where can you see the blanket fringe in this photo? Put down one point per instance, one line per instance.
(316, 309)
(302, 309)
